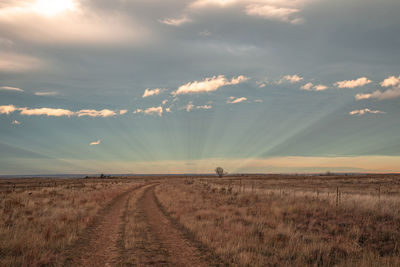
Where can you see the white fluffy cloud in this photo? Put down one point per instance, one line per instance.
(234, 100)
(388, 94)
(307, 86)
(59, 112)
(311, 87)
(320, 87)
(10, 88)
(365, 111)
(50, 112)
(7, 109)
(152, 92)
(391, 93)
(353, 83)
(208, 85)
(96, 113)
(15, 122)
(391, 81)
(123, 111)
(291, 78)
(95, 143)
(150, 111)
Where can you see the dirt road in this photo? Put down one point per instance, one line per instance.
(157, 241)
(98, 246)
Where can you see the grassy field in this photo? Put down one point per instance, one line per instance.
(40, 218)
(291, 220)
(253, 220)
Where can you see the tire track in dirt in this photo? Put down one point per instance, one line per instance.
(164, 241)
(99, 245)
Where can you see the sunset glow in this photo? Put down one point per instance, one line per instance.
(53, 7)
(182, 86)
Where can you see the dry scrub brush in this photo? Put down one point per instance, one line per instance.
(267, 228)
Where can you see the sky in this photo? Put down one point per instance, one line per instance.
(151, 86)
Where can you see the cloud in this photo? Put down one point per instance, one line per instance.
(291, 78)
(390, 81)
(15, 122)
(189, 106)
(307, 86)
(353, 83)
(168, 109)
(11, 62)
(273, 12)
(95, 143)
(45, 93)
(152, 92)
(233, 100)
(388, 94)
(311, 87)
(175, 22)
(59, 112)
(282, 10)
(164, 101)
(96, 113)
(57, 21)
(50, 112)
(7, 109)
(198, 4)
(363, 96)
(320, 87)
(150, 111)
(9, 88)
(365, 111)
(208, 85)
(204, 107)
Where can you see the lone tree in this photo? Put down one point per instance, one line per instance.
(219, 171)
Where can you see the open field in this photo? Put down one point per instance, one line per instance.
(246, 220)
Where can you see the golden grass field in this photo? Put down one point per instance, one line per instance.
(246, 220)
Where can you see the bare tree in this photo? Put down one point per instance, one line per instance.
(219, 171)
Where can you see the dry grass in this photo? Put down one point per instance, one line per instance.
(39, 219)
(246, 221)
(292, 221)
